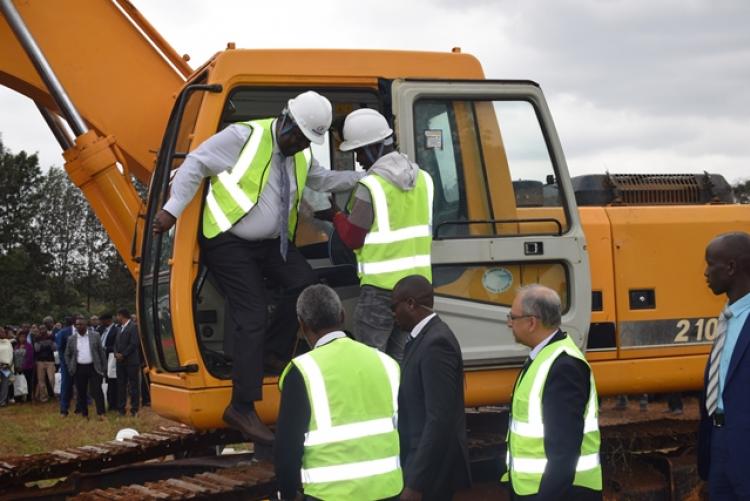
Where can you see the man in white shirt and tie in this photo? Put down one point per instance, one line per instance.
(257, 170)
(724, 434)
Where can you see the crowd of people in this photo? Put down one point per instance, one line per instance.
(95, 359)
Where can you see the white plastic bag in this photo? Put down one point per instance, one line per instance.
(111, 366)
(58, 382)
(20, 386)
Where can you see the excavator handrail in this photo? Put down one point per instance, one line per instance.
(169, 154)
(497, 221)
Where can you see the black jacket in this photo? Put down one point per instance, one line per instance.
(736, 399)
(566, 393)
(431, 417)
(109, 345)
(129, 345)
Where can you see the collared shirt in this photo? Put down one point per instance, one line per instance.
(329, 337)
(541, 346)
(84, 349)
(418, 328)
(740, 310)
(105, 334)
(220, 152)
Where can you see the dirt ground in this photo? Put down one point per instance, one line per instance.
(656, 409)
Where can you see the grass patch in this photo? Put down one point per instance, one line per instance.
(32, 428)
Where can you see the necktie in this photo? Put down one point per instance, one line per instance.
(284, 212)
(409, 344)
(712, 388)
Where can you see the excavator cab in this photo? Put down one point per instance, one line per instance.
(501, 220)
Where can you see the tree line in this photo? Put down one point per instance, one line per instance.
(55, 257)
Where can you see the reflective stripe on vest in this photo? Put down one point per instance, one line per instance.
(234, 192)
(398, 243)
(325, 474)
(527, 465)
(526, 456)
(343, 460)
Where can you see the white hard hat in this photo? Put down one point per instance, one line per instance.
(362, 127)
(313, 115)
(125, 434)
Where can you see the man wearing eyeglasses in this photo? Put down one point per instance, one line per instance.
(257, 170)
(553, 433)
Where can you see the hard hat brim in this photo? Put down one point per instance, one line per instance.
(349, 145)
(314, 138)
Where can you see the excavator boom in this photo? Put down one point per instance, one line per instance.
(117, 112)
(128, 96)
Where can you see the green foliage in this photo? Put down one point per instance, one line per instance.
(742, 191)
(19, 197)
(55, 257)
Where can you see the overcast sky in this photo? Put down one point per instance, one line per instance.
(633, 85)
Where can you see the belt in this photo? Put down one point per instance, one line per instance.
(718, 419)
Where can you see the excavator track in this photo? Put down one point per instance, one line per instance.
(248, 481)
(650, 458)
(18, 474)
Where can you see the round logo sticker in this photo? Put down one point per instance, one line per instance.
(497, 280)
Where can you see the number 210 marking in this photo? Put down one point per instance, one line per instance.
(705, 329)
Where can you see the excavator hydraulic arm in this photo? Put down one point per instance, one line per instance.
(112, 78)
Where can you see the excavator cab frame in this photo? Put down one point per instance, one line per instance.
(500, 244)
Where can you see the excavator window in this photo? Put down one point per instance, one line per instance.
(492, 169)
(494, 178)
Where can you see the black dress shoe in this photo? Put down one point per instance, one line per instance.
(250, 425)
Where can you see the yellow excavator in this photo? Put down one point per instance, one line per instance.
(625, 252)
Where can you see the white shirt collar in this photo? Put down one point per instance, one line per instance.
(329, 337)
(418, 328)
(541, 346)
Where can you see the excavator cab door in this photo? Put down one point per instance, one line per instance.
(504, 214)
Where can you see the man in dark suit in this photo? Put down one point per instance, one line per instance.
(553, 434)
(108, 331)
(127, 354)
(724, 435)
(432, 422)
(66, 380)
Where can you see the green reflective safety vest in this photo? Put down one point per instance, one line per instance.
(400, 239)
(526, 458)
(351, 447)
(234, 192)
